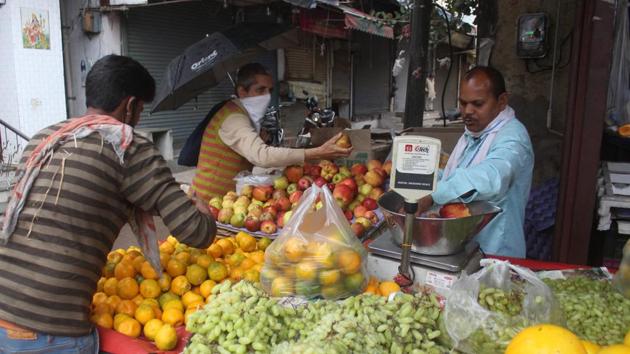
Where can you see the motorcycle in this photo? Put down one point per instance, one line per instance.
(271, 129)
(316, 118)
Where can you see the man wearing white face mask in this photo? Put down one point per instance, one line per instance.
(231, 142)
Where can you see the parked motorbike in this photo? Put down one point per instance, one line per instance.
(316, 118)
(271, 129)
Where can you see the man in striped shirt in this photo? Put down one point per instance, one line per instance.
(80, 198)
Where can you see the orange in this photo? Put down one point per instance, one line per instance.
(164, 258)
(252, 275)
(196, 274)
(138, 299)
(118, 318)
(258, 257)
(127, 307)
(166, 297)
(173, 304)
(183, 257)
(110, 285)
(190, 298)
(215, 251)
(354, 283)
(333, 291)
(166, 338)
(172, 240)
(591, 348)
(227, 246)
(349, 261)
(124, 270)
(147, 271)
(137, 263)
(113, 301)
(180, 285)
(246, 242)
(236, 274)
(258, 267)
(127, 288)
(263, 243)
(104, 320)
(130, 327)
(102, 308)
(167, 248)
(196, 290)
(194, 255)
(387, 287)
(306, 271)
(281, 286)
(175, 267)
(294, 248)
(173, 317)
(99, 298)
(217, 271)
(151, 328)
(545, 338)
(329, 277)
(235, 259)
(108, 270)
(150, 302)
(100, 284)
(144, 313)
(133, 252)
(114, 256)
(204, 260)
(247, 263)
(165, 282)
(206, 288)
(322, 253)
(149, 288)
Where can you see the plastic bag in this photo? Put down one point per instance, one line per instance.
(316, 254)
(474, 329)
(246, 178)
(621, 280)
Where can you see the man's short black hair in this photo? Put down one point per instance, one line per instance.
(115, 77)
(495, 77)
(246, 75)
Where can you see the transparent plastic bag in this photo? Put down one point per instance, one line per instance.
(474, 329)
(246, 178)
(621, 280)
(316, 254)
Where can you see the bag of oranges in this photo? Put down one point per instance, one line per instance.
(317, 254)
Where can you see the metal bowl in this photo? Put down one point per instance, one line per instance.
(437, 236)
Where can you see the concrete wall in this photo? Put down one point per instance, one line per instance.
(32, 90)
(83, 49)
(529, 92)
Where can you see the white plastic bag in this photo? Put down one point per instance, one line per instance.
(246, 178)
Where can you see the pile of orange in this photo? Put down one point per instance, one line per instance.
(132, 299)
(383, 288)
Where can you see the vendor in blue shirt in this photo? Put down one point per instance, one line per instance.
(493, 161)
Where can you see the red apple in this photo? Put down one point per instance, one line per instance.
(351, 183)
(329, 171)
(283, 204)
(294, 173)
(295, 196)
(279, 193)
(373, 163)
(358, 169)
(387, 166)
(348, 215)
(281, 183)
(316, 171)
(331, 186)
(271, 209)
(454, 210)
(370, 215)
(355, 203)
(358, 229)
(374, 179)
(376, 193)
(323, 163)
(268, 227)
(261, 193)
(360, 211)
(304, 183)
(255, 211)
(364, 221)
(343, 194)
(365, 189)
(319, 181)
(266, 216)
(214, 211)
(280, 219)
(225, 215)
(286, 217)
(252, 223)
(380, 171)
(369, 204)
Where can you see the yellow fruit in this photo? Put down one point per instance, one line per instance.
(130, 327)
(151, 302)
(294, 248)
(147, 271)
(164, 258)
(100, 284)
(247, 263)
(144, 313)
(544, 339)
(165, 282)
(251, 275)
(388, 287)
(115, 256)
(258, 257)
(183, 257)
(99, 298)
(172, 240)
(167, 248)
(138, 299)
(190, 297)
(127, 288)
(113, 301)
(119, 318)
(329, 277)
(124, 270)
(151, 328)
(333, 291)
(236, 274)
(102, 308)
(166, 297)
(349, 261)
(110, 286)
(166, 338)
(217, 271)
(180, 285)
(173, 304)
(246, 242)
(215, 251)
(149, 288)
(227, 246)
(173, 317)
(258, 267)
(322, 254)
(175, 267)
(196, 274)
(104, 320)
(206, 288)
(281, 286)
(626, 339)
(204, 260)
(306, 271)
(263, 243)
(137, 263)
(615, 349)
(127, 307)
(591, 348)
(354, 282)
(235, 259)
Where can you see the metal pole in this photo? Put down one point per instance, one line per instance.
(418, 54)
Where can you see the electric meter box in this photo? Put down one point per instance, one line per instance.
(532, 36)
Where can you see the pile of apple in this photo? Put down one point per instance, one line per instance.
(267, 208)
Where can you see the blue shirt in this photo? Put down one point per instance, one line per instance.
(504, 179)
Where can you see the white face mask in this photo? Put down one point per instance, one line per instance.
(256, 107)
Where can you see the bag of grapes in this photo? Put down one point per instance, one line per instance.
(485, 310)
(316, 254)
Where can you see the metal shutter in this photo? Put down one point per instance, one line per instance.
(372, 73)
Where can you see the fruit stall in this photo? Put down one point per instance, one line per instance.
(313, 282)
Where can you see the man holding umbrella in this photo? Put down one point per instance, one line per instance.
(231, 142)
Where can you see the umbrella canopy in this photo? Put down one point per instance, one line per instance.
(207, 62)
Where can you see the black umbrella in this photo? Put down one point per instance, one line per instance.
(207, 62)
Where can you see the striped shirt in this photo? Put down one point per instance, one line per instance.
(51, 264)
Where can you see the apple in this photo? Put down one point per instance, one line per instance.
(225, 215)
(364, 221)
(387, 166)
(279, 193)
(343, 194)
(227, 204)
(261, 193)
(380, 171)
(376, 193)
(344, 141)
(316, 171)
(331, 186)
(369, 204)
(283, 204)
(454, 210)
(292, 188)
(255, 211)
(287, 216)
(304, 183)
(294, 173)
(329, 171)
(295, 196)
(240, 209)
(358, 229)
(365, 189)
(214, 211)
(373, 163)
(252, 223)
(359, 211)
(281, 183)
(358, 169)
(238, 220)
(355, 203)
(360, 180)
(280, 219)
(345, 171)
(268, 227)
(372, 178)
(266, 216)
(271, 209)
(216, 202)
(319, 181)
(361, 198)
(247, 190)
(370, 215)
(338, 178)
(348, 215)
(231, 195)
(351, 183)
(323, 163)
(242, 200)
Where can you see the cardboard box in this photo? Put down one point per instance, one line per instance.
(448, 135)
(364, 149)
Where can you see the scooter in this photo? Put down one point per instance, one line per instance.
(316, 118)
(271, 125)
